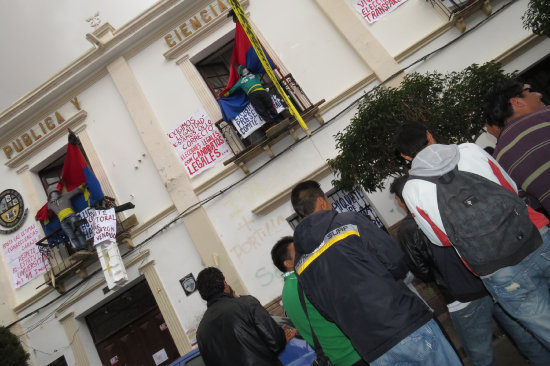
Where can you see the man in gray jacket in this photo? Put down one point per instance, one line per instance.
(60, 204)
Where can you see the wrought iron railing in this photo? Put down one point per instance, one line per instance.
(296, 95)
(63, 259)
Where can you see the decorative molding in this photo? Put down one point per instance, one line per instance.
(400, 57)
(226, 171)
(71, 331)
(284, 195)
(39, 145)
(152, 221)
(131, 262)
(361, 84)
(31, 300)
(204, 31)
(519, 48)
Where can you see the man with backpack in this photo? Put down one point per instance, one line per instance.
(470, 307)
(460, 196)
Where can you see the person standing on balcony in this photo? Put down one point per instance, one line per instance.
(260, 99)
(60, 204)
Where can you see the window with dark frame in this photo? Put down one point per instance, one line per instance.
(214, 69)
(51, 174)
(343, 201)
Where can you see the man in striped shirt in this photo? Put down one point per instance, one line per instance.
(523, 147)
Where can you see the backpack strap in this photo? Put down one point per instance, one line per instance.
(439, 179)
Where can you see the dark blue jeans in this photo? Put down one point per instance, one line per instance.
(426, 346)
(76, 236)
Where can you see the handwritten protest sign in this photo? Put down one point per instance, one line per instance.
(372, 10)
(249, 121)
(104, 226)
(24, 259)
(198, 143)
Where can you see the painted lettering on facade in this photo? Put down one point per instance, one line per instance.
(372, 10)
(202, 17)
(36, 132)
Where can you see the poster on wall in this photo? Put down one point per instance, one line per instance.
(372, 10)
(24, 259)
(198, 143)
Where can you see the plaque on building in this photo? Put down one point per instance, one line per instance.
(12, 211)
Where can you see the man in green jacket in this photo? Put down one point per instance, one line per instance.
(260, 99)
(336, 346)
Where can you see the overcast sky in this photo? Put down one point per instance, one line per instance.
(40, 37)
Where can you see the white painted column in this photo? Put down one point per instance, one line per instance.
(167, 310)
(358, 35)
(71, 330)
(177, 183)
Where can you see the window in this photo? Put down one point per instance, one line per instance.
(355, 201)
(214, 69)
(59, 362)
(51, 174)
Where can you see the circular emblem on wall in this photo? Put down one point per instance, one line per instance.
(188, 284)
(12, 211)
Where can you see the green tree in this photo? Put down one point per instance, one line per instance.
(11, 350)
(450, 105)
(537, 17)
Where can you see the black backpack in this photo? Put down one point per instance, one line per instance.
(488, 225)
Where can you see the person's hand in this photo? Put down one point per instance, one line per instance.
(289, 333)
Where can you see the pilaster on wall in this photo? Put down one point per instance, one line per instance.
(71, 330)
(358, 35)
(175, 179)
(167, 310)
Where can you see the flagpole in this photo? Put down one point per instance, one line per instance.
(239, 12)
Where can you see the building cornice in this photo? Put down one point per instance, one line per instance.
(146, 25)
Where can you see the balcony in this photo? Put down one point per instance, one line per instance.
(247, 149)
(65, 262)
(457, 10)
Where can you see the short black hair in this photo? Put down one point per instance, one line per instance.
(280, 252)
(210, 282)
(304, 197)
(397, 186)
(411, 138)
(497, 108)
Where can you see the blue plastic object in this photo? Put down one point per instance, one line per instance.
(296, 353)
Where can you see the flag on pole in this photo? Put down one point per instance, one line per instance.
(75, 173)
(243, 54)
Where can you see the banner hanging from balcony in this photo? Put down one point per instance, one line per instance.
(372, 10)
(23, 257)
(198, 143)
(249, 121)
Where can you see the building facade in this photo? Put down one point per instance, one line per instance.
(141, 81)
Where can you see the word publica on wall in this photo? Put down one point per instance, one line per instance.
(36, 132)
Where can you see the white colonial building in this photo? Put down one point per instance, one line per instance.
(141, 81)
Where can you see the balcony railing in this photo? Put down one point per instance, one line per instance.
(261, 140)
(65, 262)
(457, 10)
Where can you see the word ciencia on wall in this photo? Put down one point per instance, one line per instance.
(36, 132)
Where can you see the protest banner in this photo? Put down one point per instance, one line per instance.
(23, 257)
(198, 143)
(104, 226)
(249, 121)
(372, 10)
